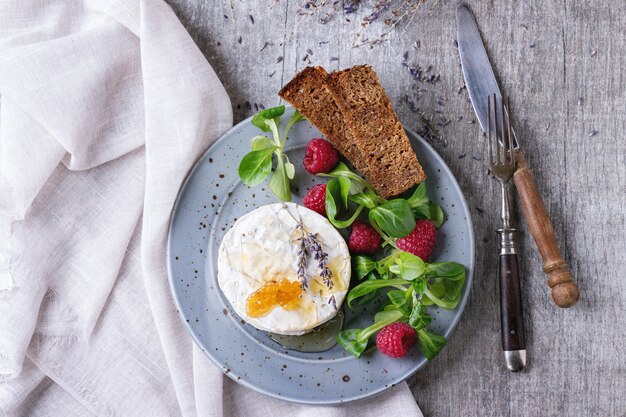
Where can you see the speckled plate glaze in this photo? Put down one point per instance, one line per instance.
(210, 201)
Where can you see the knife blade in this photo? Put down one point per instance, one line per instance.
(480, 82)
(477, 71)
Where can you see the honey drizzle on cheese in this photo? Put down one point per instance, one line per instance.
(282, 293)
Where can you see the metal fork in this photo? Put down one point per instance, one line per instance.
(502, 166)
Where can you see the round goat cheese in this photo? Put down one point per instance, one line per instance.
(260, 259)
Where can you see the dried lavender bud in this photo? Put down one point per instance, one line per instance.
(380, 7)
(303, 256)
(332, 301)
(309, 246)
(321, 257)
(350, 6)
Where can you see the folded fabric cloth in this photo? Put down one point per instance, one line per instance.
(104, 106)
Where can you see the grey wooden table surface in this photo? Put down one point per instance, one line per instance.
(564, 66)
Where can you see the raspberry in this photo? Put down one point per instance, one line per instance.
(421, 241)
(315, 199)
(320, 156)
(363, 238)
(396, 339)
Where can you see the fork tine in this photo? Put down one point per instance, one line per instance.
(505, 145)
(489, 150)
(495, 126)
(508, 111)
(499, 135)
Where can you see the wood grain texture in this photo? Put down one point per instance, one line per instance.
(569, 107)
(564, 291)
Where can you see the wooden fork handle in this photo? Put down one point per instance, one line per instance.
(565, 293)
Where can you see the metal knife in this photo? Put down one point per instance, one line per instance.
(481, 82)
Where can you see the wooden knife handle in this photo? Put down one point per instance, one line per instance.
(564, 292)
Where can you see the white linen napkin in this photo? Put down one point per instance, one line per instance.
(104, 106)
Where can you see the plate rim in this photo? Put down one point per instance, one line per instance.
(419, 364)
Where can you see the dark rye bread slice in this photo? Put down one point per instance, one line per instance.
(392, 165)
(308, 93)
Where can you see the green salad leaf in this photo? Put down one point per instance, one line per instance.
(261, 142)
(337, 190)
(386, 315)
(444, 269)
(436, 215)
(256, 165)
(362, 266)
(295, 118)
(393, 217)
(423, 208)
(419, 286)
(419, 197)
(430, 344)
(372, 285)
(446, 291)
(408, 266)
(419, 317)
(354, 340)
(367, 199)
(279, 183)
(342, 171)
(290, 170)
(267, 120)
(401, 301)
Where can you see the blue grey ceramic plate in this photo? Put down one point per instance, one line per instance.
(211, 200)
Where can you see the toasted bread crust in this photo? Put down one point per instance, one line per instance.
(308, 93)
(392, 164)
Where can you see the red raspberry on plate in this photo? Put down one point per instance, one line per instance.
(363, 238)
(320, 156)
(421, 241)
(396, 339)
(315, 199)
